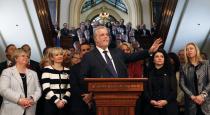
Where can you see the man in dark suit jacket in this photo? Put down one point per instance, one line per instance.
(94, 63)
(78, 87)
(3, 65)
(8, 63)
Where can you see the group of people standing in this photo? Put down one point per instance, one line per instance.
(64, 93)
(161, 88)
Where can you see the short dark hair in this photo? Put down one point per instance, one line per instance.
(167, 64)
(176, 61)
(8, 46)
(84, 43)
(26, 46)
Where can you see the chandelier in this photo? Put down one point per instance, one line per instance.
(104, 15)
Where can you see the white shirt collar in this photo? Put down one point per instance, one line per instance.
(9, 62)
(101, 50)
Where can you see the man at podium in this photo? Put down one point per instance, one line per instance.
(103, 62)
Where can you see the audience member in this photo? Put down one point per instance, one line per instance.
(55, 84)
(174, 59)
(194, 81)
(65, 30)
(45, 59)
(160, 90)
(66, 58)
(76, 58)
(78, 88)
(10, 49)
(73, 34)
(135, 69)
(154, 30)
(89, 27)
(145, 32)
(76, 46)
(181, 56)
(19, 87)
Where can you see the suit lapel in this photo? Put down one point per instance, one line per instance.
(116, 62)
(17, 76)
(101, 60)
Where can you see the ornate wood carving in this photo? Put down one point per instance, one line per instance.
(45, 21)
(115, 96)
(168, 10)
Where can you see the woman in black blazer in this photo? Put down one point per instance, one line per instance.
(161, 87)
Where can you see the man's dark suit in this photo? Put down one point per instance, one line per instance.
(78, 87)
(3, 65)
(35, 66)
(93, 64)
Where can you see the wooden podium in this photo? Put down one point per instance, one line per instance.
(115, 96)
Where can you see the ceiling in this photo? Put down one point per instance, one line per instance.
(190, 24)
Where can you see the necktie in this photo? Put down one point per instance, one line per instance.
(110, 64)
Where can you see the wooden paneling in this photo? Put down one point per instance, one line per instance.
(115, 96)
(45, 21)
(168, 10)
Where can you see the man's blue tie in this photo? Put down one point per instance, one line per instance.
(110, 64)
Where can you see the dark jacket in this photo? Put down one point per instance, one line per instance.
(77, 105)
(3, 65)
(161, 85)
(93, 64)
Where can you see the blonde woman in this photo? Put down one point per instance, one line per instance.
(45, 59)
(194, 81)
(56, 85)
(135, 69)
(67, 58)
(19, 87)
(76, 58)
